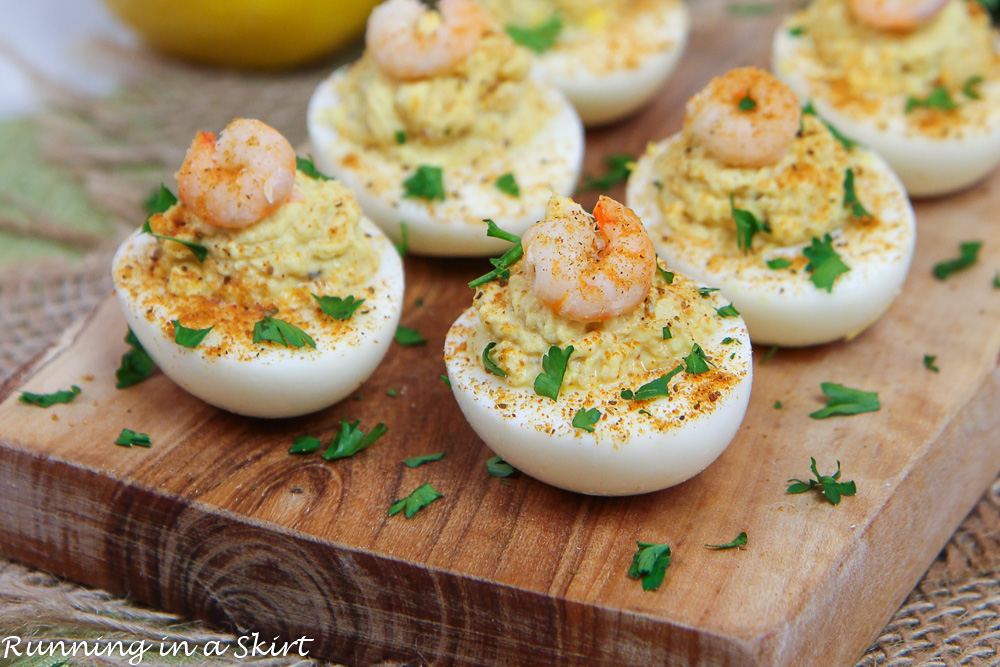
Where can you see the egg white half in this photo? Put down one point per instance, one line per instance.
(603, 95)
(782, 306)
(628, 452)
(268, 380)
(927, 166)
(548, 162)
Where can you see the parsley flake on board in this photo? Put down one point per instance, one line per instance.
(508, 185)
(968, 254)
(501, 265)
(778, 263)
(740, 541)
(929, 364)
(728, 311)
(308, 167)
(338, 308)
(650, 564)
(489, 364)
(350, 440)
(747, 103)
(777, 405)
(408, 337)
(550, 379)
(420, 498)
(130, 438)
(188, 337)
(937, 99)
(655, 389)
(696, 362)
(417, 461)
(585, 419)
(426, 183)
(828, 485)
(48, 400)
(391, 392)
(305, 444)
(747, 226)
(848, 144)
(843, 400)
(404, 239)
(971, 87)
(539, 38)
(851, 198)
(773, 350)
(281, 332)
(444, 378)
(136, 364)
(619, 167)
(497, 467)
(824, 263)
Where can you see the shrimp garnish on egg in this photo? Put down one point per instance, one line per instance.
(756, 133)
(411, 41)
(590, 271)
(895, 15)
(240, 177)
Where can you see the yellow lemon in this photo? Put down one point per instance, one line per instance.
(246, 33)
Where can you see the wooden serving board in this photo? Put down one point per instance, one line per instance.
(218, 522)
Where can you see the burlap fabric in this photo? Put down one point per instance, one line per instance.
(123, 146)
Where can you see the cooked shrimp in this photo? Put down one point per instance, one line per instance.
(901, 15)
(411, 41)
(589, 274)
(239, 178)
(745, 118)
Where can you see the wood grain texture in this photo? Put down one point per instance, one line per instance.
(217, 521)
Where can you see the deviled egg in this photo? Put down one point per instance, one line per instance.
(810, 237)
(264, 291)
(589, 367)
(440, 125)
(917, 82)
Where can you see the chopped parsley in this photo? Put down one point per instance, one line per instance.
(655, 389)
(400, 137)
(489, 364)
(996, 280)
(778, 263)
(740, 541)
(929, 364)
(729, 340)
(350, 440)
(777, 405)
(619, 166)
(48, 400)
(824, 263)
(668, 276)
(158, 201)
(497, 467)
(130, 438)
(650, 564)
(843, 400)
(305, 444)
(338, 308)
(417, 461)
(848, 144)
(851, 198)
(404, 239)
(199, 251)
(696, 362)
(188, 337)
(797, 31)
(391, 392)
(420, 498)
(308, 167)
(539, 38)
(444, 378)
(971, 87)
(968, 254)
(727, 311)
(747, 226)
(586, 419)
(501, 265)
(937, 99)
(550, 379)
(828, 485)
(281, 332)
(408, 337)
(746, 103)
(427, 183)
(667, 335)
(507, 184)
(705, 291)
(773, 350)
(136, 364)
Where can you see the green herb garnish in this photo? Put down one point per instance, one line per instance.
(409, 337)
(421, 497)
(938, 99)
(48, 400)
(705, 291)
(417, 461)
(619, 167)
(747, 103)
(497, 467)
(728, 340)
(427, 183)
(824, 263)
(508, 185)
(851, 198)
(308, 167)
(540, 38)
(400, 137)
(777, 405)
(696, 362)
(773, 350)
(828, 485)
(844, 141)
(338, 308)
(444, 378)
(971, 87)
(158, 201)
(188, 337)
(727, 311)
(501, 265)
(667, 335)
(797, 31)
(130, 438)
(350, 440)
(740, 541)
(655, 389)
(404, 239)
(843, 400)
(968, 255)
(550, 379)
(281, 332)
(747, 226)
(929, 360)
(778, 263)
(650, 564)
(305, 444)
(198, 250)
(586, 419)
(391, 392)
(136, 364)
(668, 276)
(489, 364)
